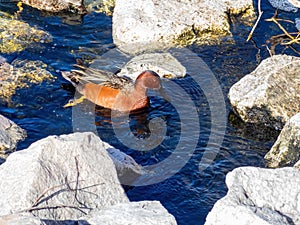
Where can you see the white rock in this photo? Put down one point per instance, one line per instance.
(133, 213)
(270, 94)
(259, 196)
(295, 3)
(284, 5)
(67, 175)
(10, 135)
(286, 149)
(164, 64)
(20, 219)
(127, 168)
(154, 24)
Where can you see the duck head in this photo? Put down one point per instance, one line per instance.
(150, 80)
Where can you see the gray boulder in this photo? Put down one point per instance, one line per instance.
(286, 149)
(270, 94)
(20, 219)
(163, 64)
(153, 24)
(10, 135)
(133, 213)
(60, 178)
(127, 168)
(259, 196)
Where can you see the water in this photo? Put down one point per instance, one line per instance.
(189, 194)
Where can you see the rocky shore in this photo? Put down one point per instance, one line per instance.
(71, 178)
(59, 179)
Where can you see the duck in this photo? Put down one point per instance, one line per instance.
(56, 5)
(113, 92)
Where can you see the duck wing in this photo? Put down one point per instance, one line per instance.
(84, 75)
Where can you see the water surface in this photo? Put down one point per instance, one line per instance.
(189, 194)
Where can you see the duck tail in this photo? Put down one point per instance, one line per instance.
(71, 77)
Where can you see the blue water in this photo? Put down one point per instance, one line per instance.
(190, 193)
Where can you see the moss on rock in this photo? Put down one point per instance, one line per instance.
(20, 74)
(16, 35)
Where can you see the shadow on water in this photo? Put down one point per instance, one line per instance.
(189, 194)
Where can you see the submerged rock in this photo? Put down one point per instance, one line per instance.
(144, 212)
(286, 150)
(270, 94)
(60, 178)
(258, 196)
(297, 22)
(57, 5)
(16, 35)
(10, 135)
(100, 6)
(163, 64)
(284, 5)
(20, 74)
(153, 24)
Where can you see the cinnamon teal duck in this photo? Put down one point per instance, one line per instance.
(111, 91)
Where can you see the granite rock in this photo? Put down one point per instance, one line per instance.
(286, 149)
(60, 178)
(259, 196)
(270, 94)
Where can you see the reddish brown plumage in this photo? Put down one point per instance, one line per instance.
(114, 92)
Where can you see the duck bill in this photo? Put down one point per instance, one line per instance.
(162, 93)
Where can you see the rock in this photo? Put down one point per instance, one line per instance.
(163, 64)
(297, 22)
(284, 5)
(295, 3)
(16, 35)
(127, 168)
(10, 135)
(153, 24)
(133, 213)
(57, 5)
(19, 74)
(60, 178)
(20, 219)
(259, 196)
(297, 165)
(100, 6)
(270, 94)
(286, 150)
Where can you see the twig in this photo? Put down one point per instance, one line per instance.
(36, 202)
(295, 40)
(269, 50)
(257, 21)
(56, 207)
(273, 19)
(284, 20)
(293, 49)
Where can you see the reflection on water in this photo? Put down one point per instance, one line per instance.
(189, 194)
